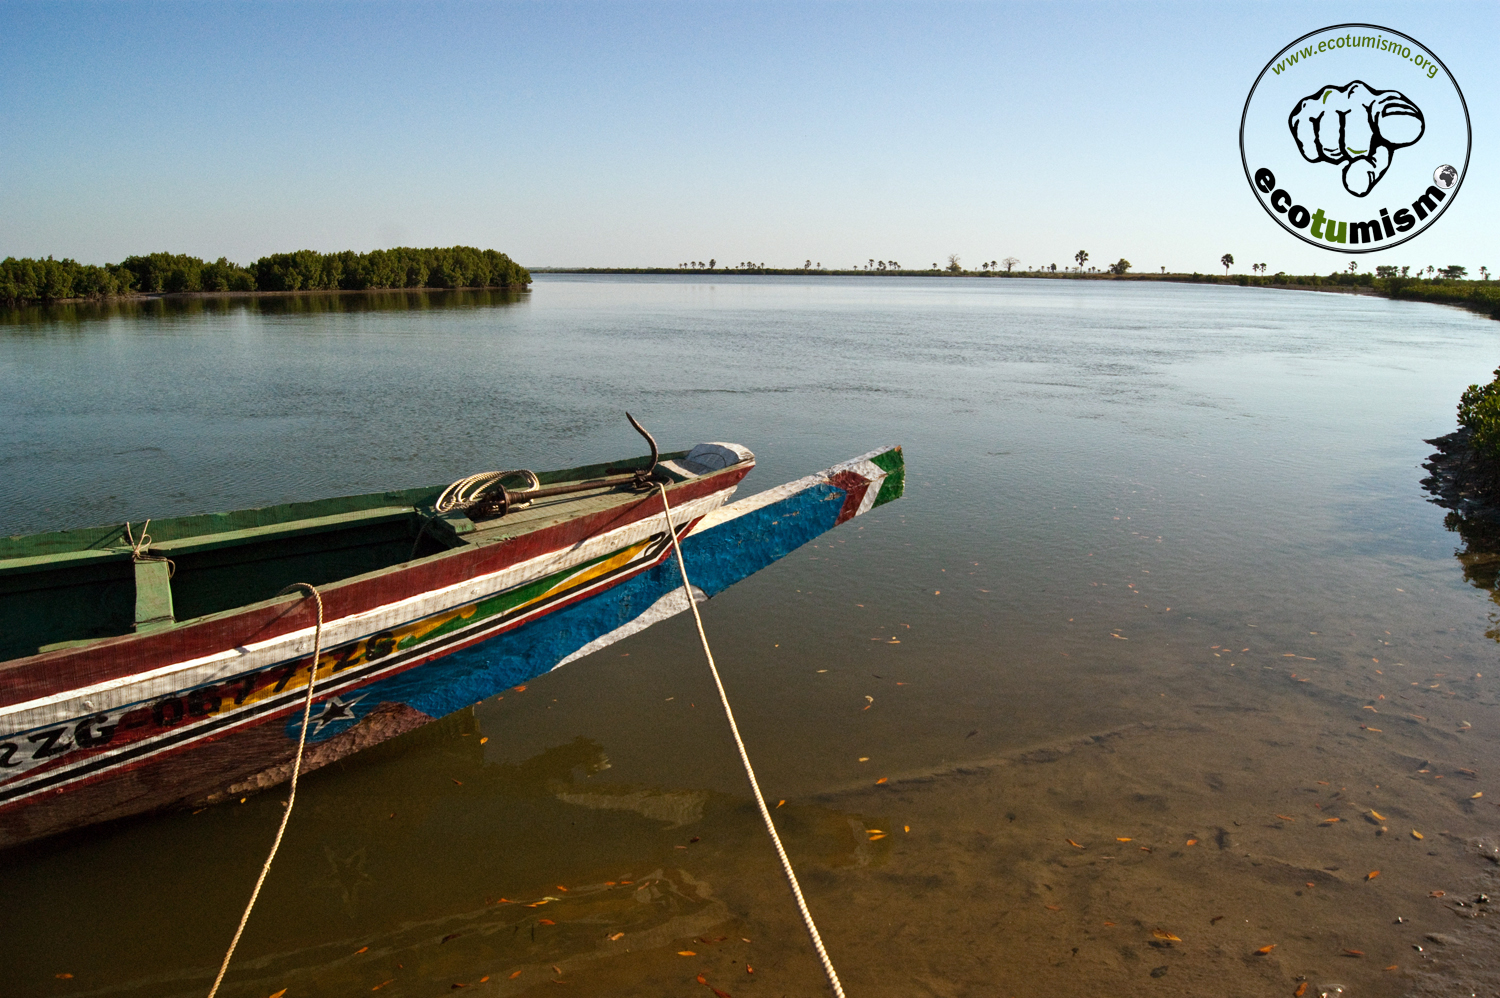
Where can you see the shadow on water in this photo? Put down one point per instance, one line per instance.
(309, 303)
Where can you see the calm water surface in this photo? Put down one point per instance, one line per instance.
(1164, 596)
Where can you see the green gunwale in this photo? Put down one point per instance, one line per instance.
(71, 587)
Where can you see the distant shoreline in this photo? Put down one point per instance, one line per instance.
(1476, 296)
(1232, 280)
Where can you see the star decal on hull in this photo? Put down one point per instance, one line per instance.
(335, 710)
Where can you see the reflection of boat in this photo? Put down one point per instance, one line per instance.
(161, 671)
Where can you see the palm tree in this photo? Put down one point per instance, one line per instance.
(1484, 272)
(1082, 257)
(1228, 261)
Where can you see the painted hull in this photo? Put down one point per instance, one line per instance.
(196, 718)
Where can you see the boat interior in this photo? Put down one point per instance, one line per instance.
(72, 587)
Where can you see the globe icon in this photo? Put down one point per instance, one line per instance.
(1445, 177)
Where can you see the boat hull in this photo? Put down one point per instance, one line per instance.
(227, 723)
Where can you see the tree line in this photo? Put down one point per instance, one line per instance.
(24, 281)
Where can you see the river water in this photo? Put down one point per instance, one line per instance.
(1164, 596)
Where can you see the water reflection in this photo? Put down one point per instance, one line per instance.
(1460, 486)
(297, 303)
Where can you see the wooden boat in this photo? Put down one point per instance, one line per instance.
(143, 672)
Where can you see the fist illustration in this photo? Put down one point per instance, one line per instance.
(1356, 126)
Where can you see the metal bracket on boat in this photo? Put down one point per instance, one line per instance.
(498, 500)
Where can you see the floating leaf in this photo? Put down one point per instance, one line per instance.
(781, 802)
(1265, 950)
(1301, 990)
(1353, 952)
(701, 979)
(279, 993)
(1192, 842)
(1416, 834)
(362, 949)
(1328, 821)
(1436, 894)
(686, 952)
(484, 739)
(616, 937)
(1108, 924)
(1392, 967)
(880, 836)
(1372, 874)
(906, 828)
(1376, 815)
(1473, 796)
(454, 987)
(515, 975)
(65, 976)
(545, 921)
(1075, 845)
(1287, 817)
(1118, 839)
(880, 781)
(1054, 907)
(391, 981)
(1164, 934)
(486, 977)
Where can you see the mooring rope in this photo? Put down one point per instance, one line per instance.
(140, 550)
(765, 812)
(296, 772)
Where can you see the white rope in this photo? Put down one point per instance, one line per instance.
(765, 813)
(467, 491)
(140, 550)
(292, 794)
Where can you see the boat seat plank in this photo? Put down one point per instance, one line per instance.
(153, 595)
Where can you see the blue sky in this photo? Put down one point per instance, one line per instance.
(650, 134)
